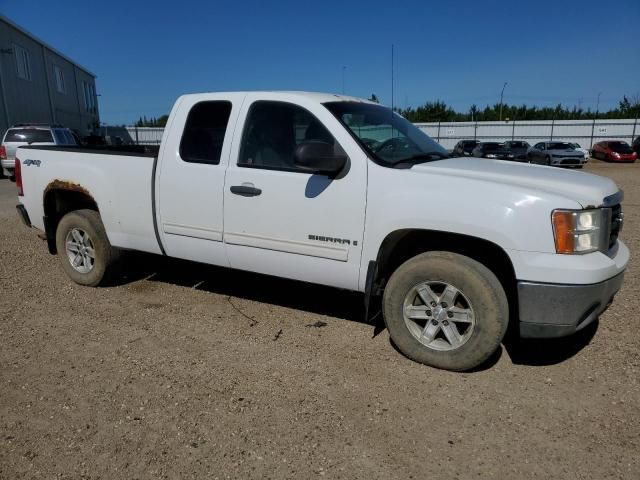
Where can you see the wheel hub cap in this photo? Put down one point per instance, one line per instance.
(439, 315)
(80, 250)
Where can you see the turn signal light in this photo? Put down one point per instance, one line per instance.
(581, 231)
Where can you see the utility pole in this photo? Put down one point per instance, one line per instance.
(501, 97)
(593, 125)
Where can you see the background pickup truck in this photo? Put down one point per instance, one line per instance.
(340, 191)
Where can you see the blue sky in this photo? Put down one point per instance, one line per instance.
(145, 54)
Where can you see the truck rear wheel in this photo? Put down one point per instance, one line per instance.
(83, 247)
(445, 310)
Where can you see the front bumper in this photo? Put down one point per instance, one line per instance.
(556, 310)
(567, 161)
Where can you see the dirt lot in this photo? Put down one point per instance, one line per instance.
(186, 371)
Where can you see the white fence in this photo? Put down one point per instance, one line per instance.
(145, 135)
(584, 132)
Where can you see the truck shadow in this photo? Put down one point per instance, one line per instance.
(541, 352)
(321, 300)
(293, 294)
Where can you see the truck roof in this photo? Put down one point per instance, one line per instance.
(319, 97)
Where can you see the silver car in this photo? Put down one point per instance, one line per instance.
(557, 154)
(27, 134)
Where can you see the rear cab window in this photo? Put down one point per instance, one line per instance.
(204, 132)
(28, 135)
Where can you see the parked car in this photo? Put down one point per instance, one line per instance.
(27, 134)
(464, 148)
(614, 151)
(557, 154)
(296, 188)
(579, 148)
(492, 150)
(519, 149)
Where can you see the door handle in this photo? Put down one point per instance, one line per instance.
(245, 190)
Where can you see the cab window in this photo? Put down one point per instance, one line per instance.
(204, 132)
(273, 131)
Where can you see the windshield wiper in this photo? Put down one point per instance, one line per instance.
(420, 158)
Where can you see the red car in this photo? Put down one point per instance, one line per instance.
(614, 151)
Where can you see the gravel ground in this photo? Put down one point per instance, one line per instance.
(187, 371)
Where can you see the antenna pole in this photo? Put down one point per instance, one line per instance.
(392, 104)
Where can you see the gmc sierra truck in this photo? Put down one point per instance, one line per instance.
(344, 192)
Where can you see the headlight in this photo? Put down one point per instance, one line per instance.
(490, 155)
(580, 231)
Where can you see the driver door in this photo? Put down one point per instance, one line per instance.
(281, 220)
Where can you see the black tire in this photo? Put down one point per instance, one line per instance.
(105, 255)
(475, 281)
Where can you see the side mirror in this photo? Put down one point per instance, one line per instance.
(318, 157)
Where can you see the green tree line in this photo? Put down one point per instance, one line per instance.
(152, 122)
(439, 111)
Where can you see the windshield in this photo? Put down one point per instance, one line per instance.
(519, 145)
(559, 146)
(387, 137)
(620, 147)
(28, 135)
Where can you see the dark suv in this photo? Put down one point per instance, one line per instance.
(464, 148)
(492, 150)
(518, 148)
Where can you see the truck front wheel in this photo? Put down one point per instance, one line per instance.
(445, 310)
(84, 249)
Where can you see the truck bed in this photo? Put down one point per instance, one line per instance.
(120, 179)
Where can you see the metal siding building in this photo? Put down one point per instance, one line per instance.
(38, 84)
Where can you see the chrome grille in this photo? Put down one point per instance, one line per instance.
(617, 219)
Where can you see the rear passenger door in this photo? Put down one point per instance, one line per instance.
(190, 176)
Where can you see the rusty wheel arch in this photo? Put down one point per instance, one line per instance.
(59, 198)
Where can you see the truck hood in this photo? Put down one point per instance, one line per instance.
(587, 189)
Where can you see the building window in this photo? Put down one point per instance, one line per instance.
(59, 74)
(23, 62)
(89, 93)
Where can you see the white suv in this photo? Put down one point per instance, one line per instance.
(27, 134)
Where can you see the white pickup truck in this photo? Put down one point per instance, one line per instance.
(340, 191)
